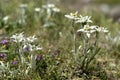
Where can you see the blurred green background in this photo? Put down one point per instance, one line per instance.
(58, 34)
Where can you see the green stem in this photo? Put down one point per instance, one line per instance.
(84, 49)
(85, 45)
(74, 37)
(33, 62)
(96, 39)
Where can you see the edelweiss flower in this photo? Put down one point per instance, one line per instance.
(18, 37)
(38, 47)
(87, 29)
(31, 47)
(31, 39)
(73, 16)
(85, 19)
(26, 42)
(50, 7)
(23, 5)
(102, 29)
(91, 29)
(6, 18)
(55, 9)
(28, 46)
(37, 9)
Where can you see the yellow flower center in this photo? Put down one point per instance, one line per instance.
(28, 57)
(74, 14)
(14, 59)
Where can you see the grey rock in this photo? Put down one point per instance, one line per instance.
(115, 12)
(105, 8)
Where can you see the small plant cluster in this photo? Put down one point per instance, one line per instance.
(46, 13)
(72, 46)
(50, 10)
(18, 55)
(21, 56)
(89, 35)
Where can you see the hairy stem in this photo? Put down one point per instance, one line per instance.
(74, 39)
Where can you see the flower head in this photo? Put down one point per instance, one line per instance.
(39, 57)
(84, 19)
(6, 18)
(31, 39)
(31, 47)
(27, 43)
(38, 47)
(51, 7)
(87, 28)
(37, 9)
(18, 37)
(4, 41)
(91, 29)
(102, 29)
(55, 9)
(72, 16)
(15, 62)
(3, 55)
(23, 5)
(48, 6)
